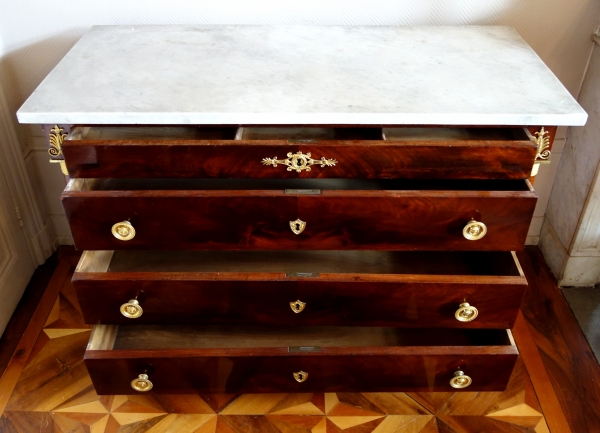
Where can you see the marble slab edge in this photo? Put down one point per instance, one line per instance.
(574, 119)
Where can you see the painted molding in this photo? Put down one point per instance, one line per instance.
(19, 184)
(580, 272)
(8, 252)
(553, 250)
(586, 239)
(587, 236)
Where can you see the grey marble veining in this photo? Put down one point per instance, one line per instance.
(302, 75)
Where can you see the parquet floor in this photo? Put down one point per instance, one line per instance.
(53, 393)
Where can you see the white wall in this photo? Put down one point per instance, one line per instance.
(37, 34)
(20, 249)
(570, 239)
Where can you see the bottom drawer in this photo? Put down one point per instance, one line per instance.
(232, 359)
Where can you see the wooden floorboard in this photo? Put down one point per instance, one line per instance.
(32, 331)
(566, 355)
(25, 309)
(29, 301)
(555, 417)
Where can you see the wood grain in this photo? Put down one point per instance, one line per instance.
(258, 374)
(63, 400)
(336, 219)
(539, 376)
(25, 309)
(235, 359)
(185, 300)
(360, 152)
(572, 368)
(366, 288)
(25, 346)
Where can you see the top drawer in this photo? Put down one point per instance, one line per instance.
(294, 152)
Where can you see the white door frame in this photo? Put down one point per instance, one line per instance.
(19, 184)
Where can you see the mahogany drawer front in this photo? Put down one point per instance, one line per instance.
(348, 288)
(385, 219)
(336, 359)
(445, 153)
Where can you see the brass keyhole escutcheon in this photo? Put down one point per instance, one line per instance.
(297, 306)
(299, 161)
(300, 376)
(460, 380)
(297, 226)
(132, 309)
(474, 230)
(123, 231)
(466, 312)
(142, 383)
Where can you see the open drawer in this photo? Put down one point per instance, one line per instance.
(359, 288)
(232, 359)
(299, 152)
(308, 214)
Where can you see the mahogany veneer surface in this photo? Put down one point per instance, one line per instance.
(254, 359)
(501, 153)
(380, 288)
(379, 215)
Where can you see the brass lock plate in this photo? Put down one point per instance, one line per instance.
(297, 226)
(299, 162)
(300, 376)
(297, 306)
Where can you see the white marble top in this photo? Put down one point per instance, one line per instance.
(302, 75)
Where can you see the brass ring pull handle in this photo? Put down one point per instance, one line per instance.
(299, 161)
(132, 309)
(297, 306)
(297, 226)
(474, 230)
(141, 383)
(460, 380)
(123, 231)
(466, 312)
(300, 376)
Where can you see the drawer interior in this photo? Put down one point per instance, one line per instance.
(152, 133)
(293, 338)
(308, 134)
(296, 186)
(295, 134)
(306, 263)
(439, 134)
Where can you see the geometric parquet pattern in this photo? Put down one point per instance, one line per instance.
(54, 394)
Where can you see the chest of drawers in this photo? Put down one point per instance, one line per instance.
(320, 226)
